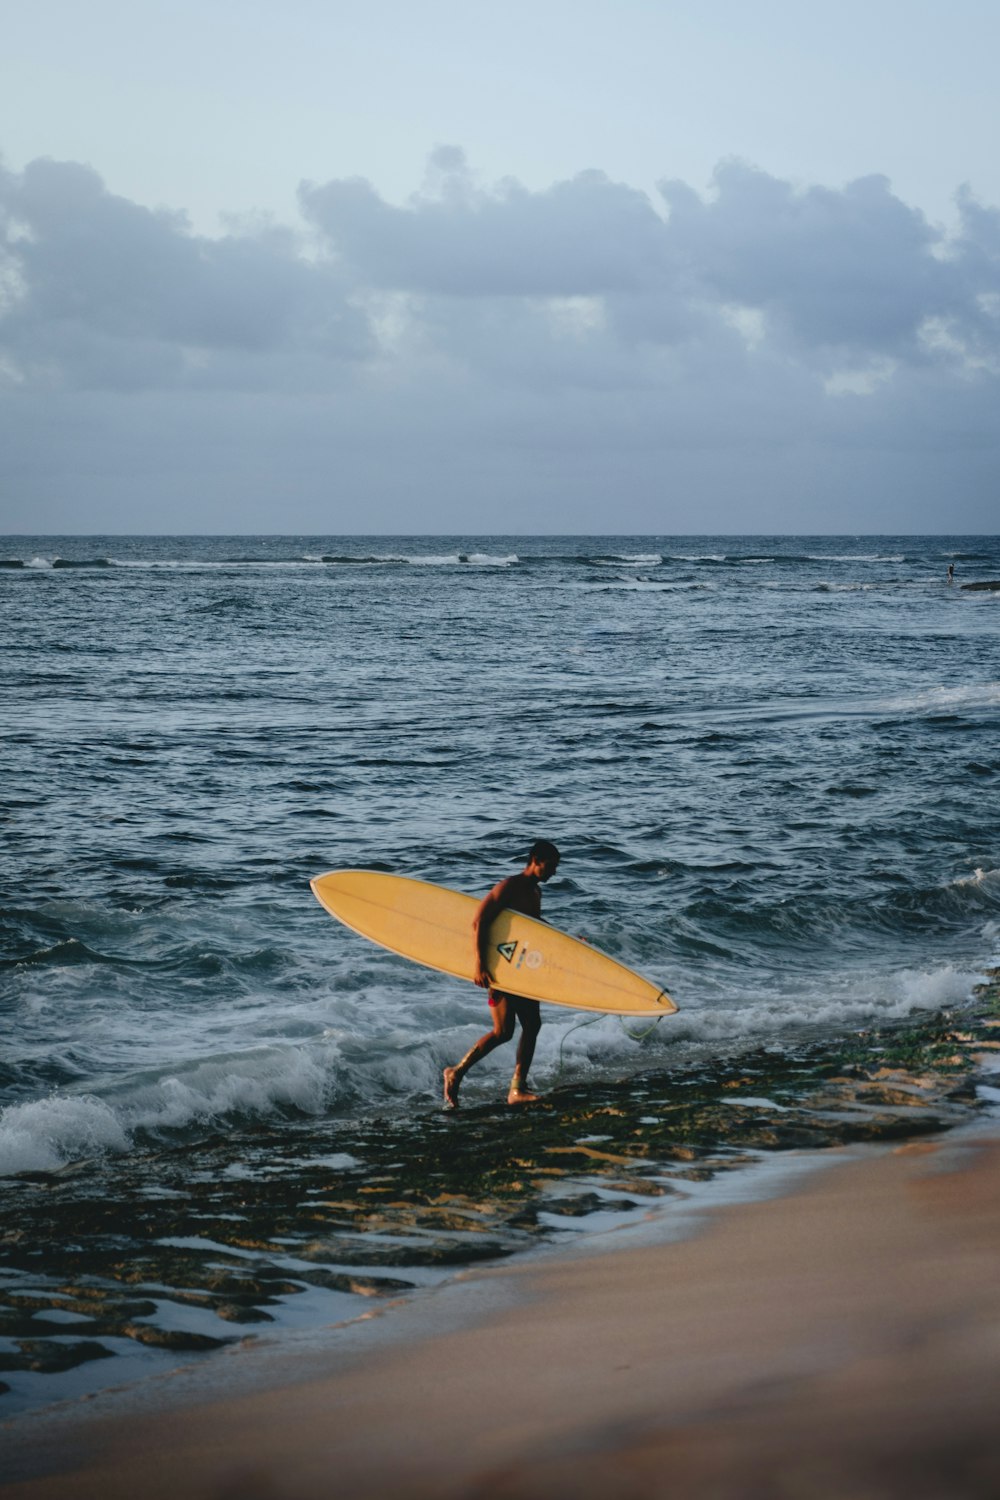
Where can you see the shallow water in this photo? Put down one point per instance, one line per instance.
(771, 765)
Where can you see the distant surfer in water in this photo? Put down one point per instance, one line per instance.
(951, 572)
(516, 893)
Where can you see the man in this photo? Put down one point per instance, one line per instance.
(517, 893)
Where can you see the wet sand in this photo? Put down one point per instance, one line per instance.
(843, 1340)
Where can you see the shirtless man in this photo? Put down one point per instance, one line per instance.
(518, 893)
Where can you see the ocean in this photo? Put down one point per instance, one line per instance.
(771, 764)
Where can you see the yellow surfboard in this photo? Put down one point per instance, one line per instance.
(433, 926)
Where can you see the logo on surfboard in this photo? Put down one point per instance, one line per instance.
(531, 960)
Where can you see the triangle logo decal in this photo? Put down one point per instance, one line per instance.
(507, 950)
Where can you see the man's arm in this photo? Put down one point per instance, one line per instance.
(489, 908)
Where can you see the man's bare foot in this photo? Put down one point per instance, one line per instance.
(521, 1096)
(451, 1083)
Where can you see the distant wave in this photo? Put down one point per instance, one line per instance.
(946, 699)
(978, 880)
(647, 585)
(475, 559)
(853, 557)
(47, 564)
(374, 558)
(197, 565)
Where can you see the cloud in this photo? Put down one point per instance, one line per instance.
(583, 237)
(103, 292)
(579, 341)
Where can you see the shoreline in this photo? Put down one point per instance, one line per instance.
(872, 1286)
(228, 1249)
(472, 1292)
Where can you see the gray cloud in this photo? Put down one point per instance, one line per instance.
(101, 291)
(595, 355)
(577, 238)
(851, 274)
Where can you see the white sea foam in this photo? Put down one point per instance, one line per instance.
(762, 1014)
(945, 699)
(48, 1133)
(456, 559)
(855, 1000)
(406, 1062)
(45, 1134)
(311, 560)
(979, 877)
(854, 557)
(255, 1082)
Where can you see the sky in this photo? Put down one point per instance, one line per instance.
(631, 266)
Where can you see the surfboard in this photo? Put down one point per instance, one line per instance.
(433, 926)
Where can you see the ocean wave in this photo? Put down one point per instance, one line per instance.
(460, 556)
(784, 559)
(49, 1133)
(457, 559)
(329, 559)
(840, 1003)
(979, 880)
(945, 699)
(59, 955)
(854, 557)
(50, 564)
(645, 585)
(811, 930)
(421, 559)
(347, 1069)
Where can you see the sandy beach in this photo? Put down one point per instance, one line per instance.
(842, 1340)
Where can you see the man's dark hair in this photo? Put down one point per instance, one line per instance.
(542, 849)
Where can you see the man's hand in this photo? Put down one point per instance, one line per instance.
(481, 977)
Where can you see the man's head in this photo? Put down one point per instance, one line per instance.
(543, 859)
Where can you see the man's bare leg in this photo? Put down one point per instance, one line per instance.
(503, 1030)
(530, 1018)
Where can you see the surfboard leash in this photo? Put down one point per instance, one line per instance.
(587, 1021)
(634, 1036)
(640, 1036)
